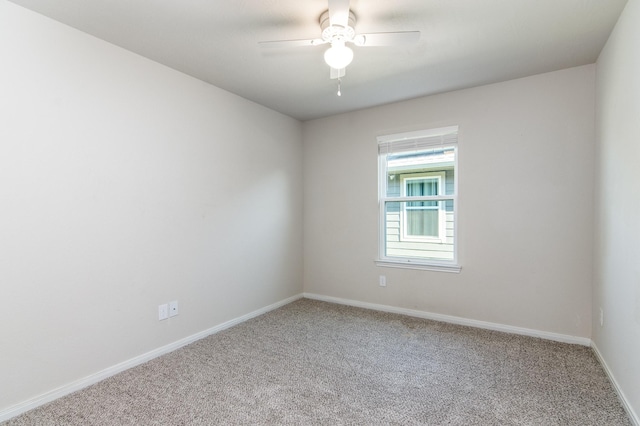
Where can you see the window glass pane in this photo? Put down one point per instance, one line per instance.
(392, 222)
(424, 232)
(441, 159)
(416, 187)
(422, 223)
(417, 192)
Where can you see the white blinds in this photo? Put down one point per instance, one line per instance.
(415, 141)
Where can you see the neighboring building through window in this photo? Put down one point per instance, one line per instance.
(417, 195)
(422, 220)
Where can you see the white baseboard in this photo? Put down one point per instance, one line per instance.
(621, 395)
(42, 399)
(584, 341)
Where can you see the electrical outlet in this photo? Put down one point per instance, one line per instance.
(163, 312)
(383, 281)
(173, 308)
(601, 317)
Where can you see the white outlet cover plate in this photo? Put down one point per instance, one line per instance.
(173, 308)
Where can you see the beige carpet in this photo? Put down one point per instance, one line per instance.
(317, 363)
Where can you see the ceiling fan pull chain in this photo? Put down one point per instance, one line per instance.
(339, 81)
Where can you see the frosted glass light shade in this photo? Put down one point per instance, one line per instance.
(338, 56)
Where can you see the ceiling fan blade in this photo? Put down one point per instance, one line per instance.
(283, 44)
(387, 39)
(336, 73)
(339, 12)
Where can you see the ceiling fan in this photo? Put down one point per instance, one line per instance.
(338, 29)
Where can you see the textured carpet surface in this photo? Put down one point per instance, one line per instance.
(312, 362)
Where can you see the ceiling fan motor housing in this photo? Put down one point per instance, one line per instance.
(331, 33)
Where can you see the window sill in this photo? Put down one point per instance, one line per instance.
(403, 264)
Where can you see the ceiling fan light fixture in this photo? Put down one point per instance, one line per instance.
(338, 56)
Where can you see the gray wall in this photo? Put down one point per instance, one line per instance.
(526, 156)
(123, 185)
(617, 249)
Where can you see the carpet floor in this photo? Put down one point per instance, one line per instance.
(313, 362)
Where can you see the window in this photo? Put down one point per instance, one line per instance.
(422, 220)
(418, 198)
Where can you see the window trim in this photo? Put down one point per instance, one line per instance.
(422, 139)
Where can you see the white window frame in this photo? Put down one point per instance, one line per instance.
(442, 226)
(407, 142)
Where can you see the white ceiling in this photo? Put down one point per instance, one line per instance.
(464, 43)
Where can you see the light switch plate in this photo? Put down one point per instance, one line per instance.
(163, 312)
